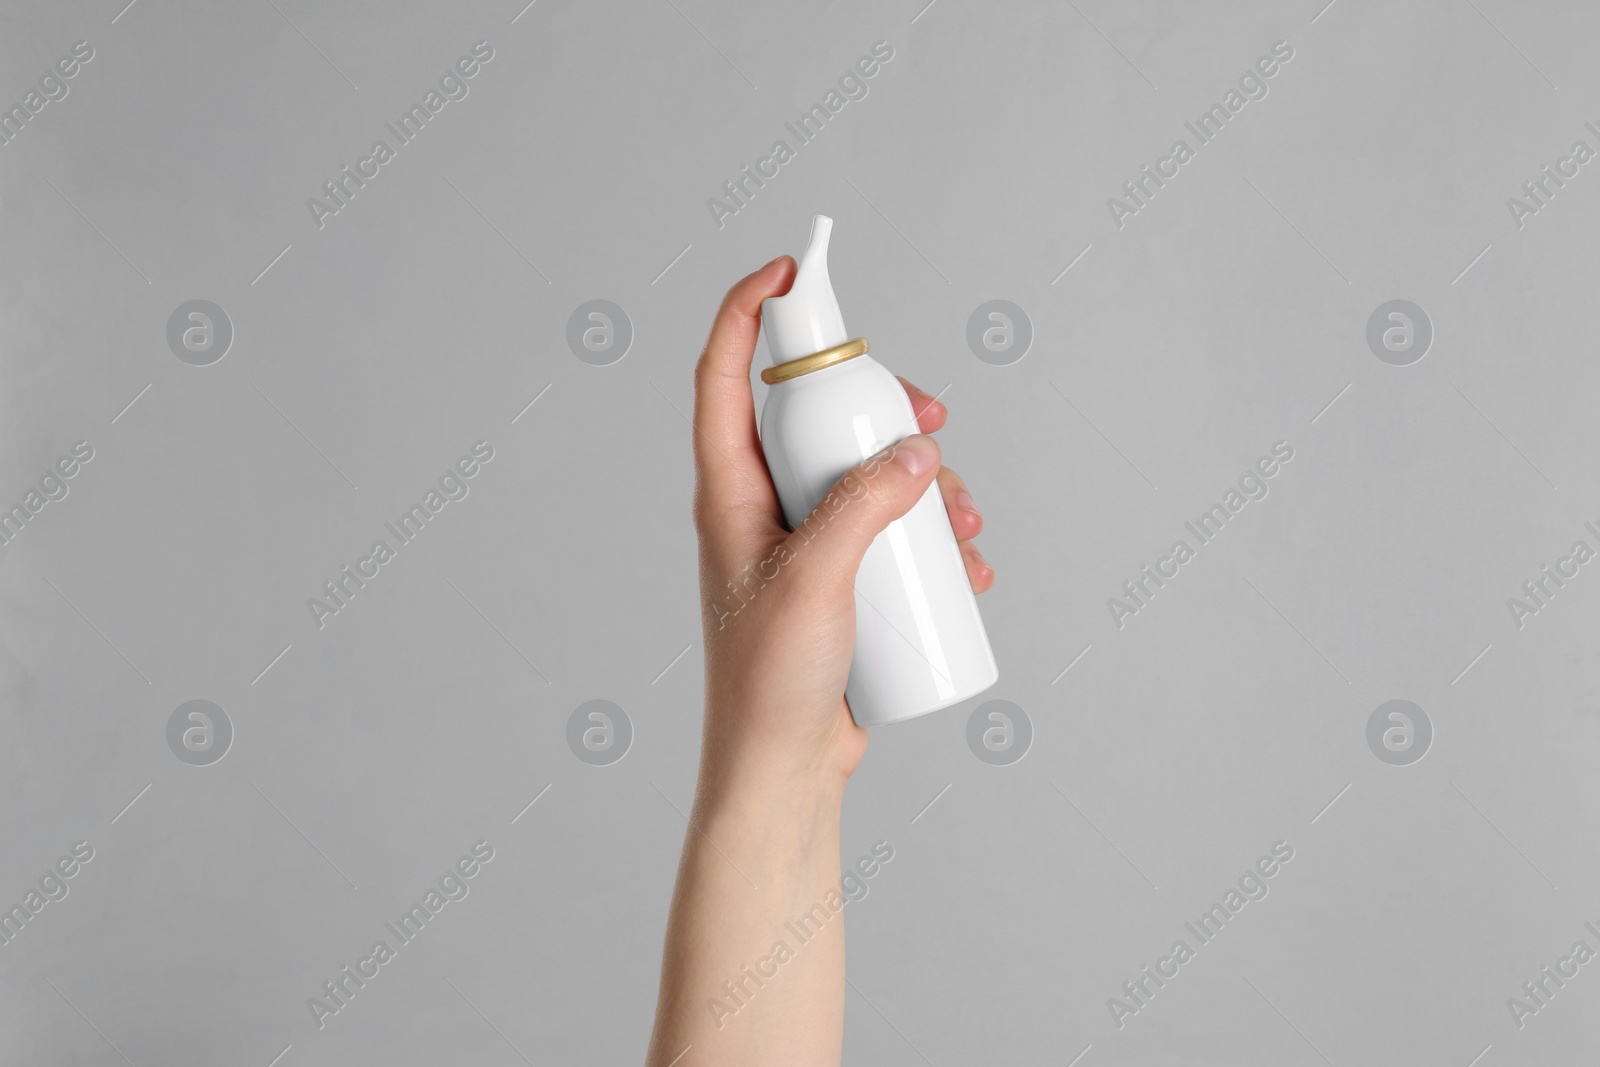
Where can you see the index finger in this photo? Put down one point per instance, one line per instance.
(727, 447)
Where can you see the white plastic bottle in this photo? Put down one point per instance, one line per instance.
(920, 642)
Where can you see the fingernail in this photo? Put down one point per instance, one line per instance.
(916, 454)
(965, 502)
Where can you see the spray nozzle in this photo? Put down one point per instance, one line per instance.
(807, 318)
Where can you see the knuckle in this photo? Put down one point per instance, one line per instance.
(859, 486)
(702, 372)
(881, 476)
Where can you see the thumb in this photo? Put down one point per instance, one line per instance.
(832, 540)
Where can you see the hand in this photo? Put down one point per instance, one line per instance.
(763, 839)
(778, 648)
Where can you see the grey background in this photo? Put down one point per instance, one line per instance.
(424, 317)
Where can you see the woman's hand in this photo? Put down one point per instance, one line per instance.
(778, 648)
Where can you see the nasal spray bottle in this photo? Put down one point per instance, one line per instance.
(920, 643)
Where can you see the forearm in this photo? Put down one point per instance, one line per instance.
(753, 967)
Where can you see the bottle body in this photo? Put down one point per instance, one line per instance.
(920, 642)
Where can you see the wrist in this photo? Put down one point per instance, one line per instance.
(771, 794)
(759, 745)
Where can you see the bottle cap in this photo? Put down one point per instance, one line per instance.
(807, 319)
